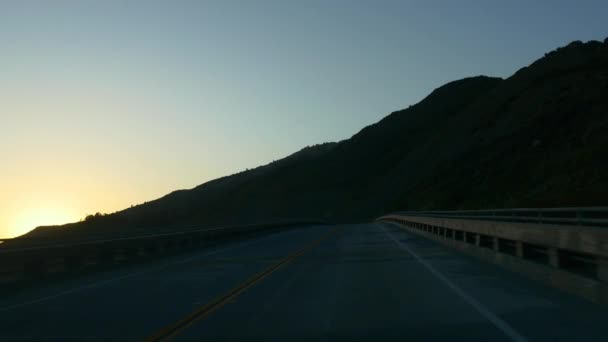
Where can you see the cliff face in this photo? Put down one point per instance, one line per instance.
(538, 138)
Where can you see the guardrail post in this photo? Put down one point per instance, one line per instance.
(11, 272)
(477, 240)
(121, 255)
(495, 244)
(602, 269)
(553, 257)
(35, 268)
(519, 249)
(105, 257)
(56, 265)
(73, 262)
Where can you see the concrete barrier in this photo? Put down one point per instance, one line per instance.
(39, 261)
(572, 258)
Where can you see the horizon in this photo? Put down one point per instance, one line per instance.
(109, 109)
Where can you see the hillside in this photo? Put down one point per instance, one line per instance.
(535, 139)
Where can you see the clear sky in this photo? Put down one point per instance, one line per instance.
(104, 104)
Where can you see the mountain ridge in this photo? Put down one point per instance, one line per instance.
(533, 139)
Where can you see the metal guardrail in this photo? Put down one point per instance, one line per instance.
(581, 216)
(85, 237)
(94, 241)
(564, 247)
(27, 261)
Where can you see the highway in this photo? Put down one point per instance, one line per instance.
(315, 283)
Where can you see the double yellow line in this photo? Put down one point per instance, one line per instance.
(174, 329)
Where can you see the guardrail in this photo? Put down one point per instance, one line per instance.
(584, 216)
(84, 237)
(565, 247)
(33, 261)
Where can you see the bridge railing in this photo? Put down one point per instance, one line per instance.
(566, 247)
(39, 257)
(582, 216)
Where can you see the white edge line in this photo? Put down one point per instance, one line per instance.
(489, 315)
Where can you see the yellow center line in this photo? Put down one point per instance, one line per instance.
(173, 329)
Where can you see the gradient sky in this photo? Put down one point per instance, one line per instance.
(104, 104)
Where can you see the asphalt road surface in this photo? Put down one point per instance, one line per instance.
(318, 283)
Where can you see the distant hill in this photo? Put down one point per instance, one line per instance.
(536, 139)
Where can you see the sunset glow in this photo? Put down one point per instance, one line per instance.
(34, 217)
(107, 104)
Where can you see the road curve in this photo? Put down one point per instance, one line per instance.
(330, 283)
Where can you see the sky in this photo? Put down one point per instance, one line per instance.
(107, 104)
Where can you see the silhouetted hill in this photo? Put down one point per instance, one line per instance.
(538, 138)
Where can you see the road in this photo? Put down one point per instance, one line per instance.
(322, 283)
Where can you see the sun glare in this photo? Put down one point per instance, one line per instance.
(33, 218)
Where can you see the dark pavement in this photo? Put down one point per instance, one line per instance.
(351, 282)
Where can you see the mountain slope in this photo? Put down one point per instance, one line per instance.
(537, 138)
